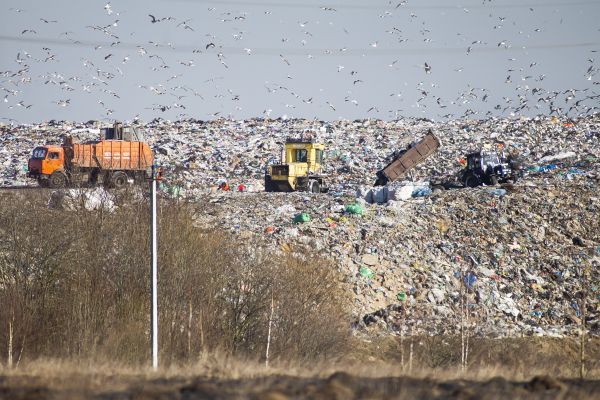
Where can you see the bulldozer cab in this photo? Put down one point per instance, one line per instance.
(304, 151)
(300, 168)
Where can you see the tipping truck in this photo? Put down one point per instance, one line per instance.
(113, 162)
(407, 159)
(299, 168)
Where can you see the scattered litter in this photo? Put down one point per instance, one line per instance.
(366, 272)
(301, 218)
(354, 208)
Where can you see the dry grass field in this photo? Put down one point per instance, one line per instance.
(226, 377)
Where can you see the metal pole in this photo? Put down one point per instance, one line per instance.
(154, 276)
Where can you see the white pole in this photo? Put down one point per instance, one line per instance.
(154, 277)
(269, 334)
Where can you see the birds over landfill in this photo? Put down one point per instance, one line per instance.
(324, 39)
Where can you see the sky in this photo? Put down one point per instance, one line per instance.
(353, 59)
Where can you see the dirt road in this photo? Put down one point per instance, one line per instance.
(336, 386)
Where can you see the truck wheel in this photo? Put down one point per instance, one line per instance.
(472, 181)
(118, 179)
(57, 180)
(315, 187)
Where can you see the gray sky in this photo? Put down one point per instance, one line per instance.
(363, 58)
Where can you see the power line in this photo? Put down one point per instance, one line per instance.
(267, 51)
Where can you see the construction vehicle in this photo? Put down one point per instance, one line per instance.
(489, 167)
(299, 168)
(405, 160)
(112, 162)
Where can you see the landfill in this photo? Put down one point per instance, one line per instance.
(512, 259)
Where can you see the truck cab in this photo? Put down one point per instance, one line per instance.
(47, 165)
(299, 169)
(487, 167)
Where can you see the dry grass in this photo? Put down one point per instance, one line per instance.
(528, 358)
(224, 377)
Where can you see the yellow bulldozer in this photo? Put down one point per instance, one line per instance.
(299, 169)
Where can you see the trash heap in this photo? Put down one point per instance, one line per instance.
(197, 154)
(515, 257)
(509, 260)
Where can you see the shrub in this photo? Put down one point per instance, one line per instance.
(74, 283)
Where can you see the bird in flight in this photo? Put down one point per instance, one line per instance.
(63, 103)
(284, 59)
(427, 68)
(154, 20)
(185, 25)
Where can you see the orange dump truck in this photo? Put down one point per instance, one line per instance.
(109, 162)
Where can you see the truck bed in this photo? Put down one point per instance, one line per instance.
(408, 159)
(112, 155)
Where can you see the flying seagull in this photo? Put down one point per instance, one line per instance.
(427, 68)
(155, 20)
(284, 59)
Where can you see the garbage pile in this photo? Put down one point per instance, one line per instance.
(516, 259)
(197, 154)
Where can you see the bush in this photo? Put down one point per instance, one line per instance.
(75, 283)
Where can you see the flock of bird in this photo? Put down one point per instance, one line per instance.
(98, 75)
